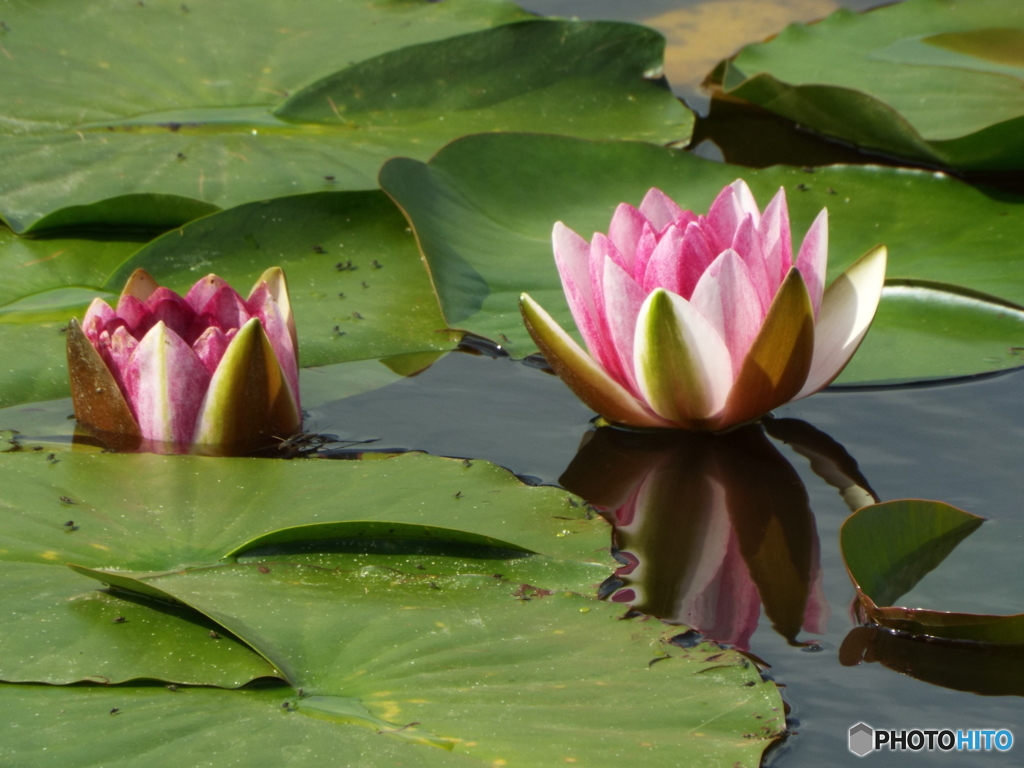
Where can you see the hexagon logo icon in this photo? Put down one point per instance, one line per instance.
(862, 739)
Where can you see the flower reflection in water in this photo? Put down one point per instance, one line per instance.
(711, 528)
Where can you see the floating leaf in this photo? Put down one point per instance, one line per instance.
(58, 629)
(103, 726)
(155, 513)
(221, 106)
(888, 548)
(484, 206)
(471, 662)
(936, 83)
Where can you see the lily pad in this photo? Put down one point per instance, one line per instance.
(129, 726)
(484, 206)
(215, 106)
(59, 629)
(890, 547)
(934, 82)
(155, 513)
(356, 281)
(469, 663)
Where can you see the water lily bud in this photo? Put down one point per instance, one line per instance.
(211, 372)
(703, 322)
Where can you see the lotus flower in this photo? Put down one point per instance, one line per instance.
(208, 369)
(701, 322)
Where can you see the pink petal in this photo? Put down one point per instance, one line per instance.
(644, 250)
(602, 249)
(134, 314)
(746, 199)
(210, 347)
(261, 304)
(572, 257)
(679, 260)
(724, 217)
(97, 316)
(225, 309)
(623, 299)
(748, 245)
(776, 240)
(199, 295)
(726, 297)
(659, 209)
(813, 259)
(166, 383)
(166, 306)
(122, 345)
(625, 230)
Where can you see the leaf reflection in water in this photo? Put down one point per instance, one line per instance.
(710, 528)
(989, 670)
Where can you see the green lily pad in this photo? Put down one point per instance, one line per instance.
(890, 547)
(937, 83)
(357, 285)
(219, 106)
(130, 726)
(58, 629)
(155, 513)
(469, 663)
(483, 209)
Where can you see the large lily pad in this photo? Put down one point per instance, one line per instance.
(157, 513)
(204, 109)
(931, 81)
(134, 726)
(483, 209)
(357, 283)
(154, 513)
(469, 663)
(58, 629)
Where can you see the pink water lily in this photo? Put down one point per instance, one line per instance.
(209, 368)
(703, 322)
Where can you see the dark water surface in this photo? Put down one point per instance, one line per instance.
(960, 443)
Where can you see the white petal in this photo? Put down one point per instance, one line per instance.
(682, 364)
(847, 310)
